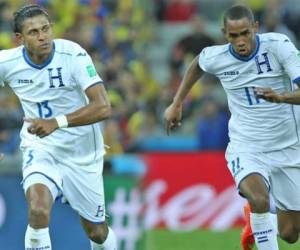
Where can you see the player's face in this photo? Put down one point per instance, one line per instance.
(37, 36)
(241, 34)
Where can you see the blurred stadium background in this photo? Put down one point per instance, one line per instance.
(162, 192)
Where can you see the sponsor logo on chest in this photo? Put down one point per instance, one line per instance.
(25, 81)
(231, 73)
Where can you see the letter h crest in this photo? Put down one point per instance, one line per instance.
(55, 77)
(265, 61)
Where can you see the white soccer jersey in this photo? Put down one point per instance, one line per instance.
(257, 125)
(55, 88)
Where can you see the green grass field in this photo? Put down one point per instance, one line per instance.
(199, 240)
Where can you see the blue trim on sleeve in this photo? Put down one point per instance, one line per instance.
(38, 66)
(296, 80)
(242, 58)
(96, 83)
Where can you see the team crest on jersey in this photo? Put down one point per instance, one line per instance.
(263, 63)
(298, 55)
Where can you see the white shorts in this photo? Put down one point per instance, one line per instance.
(81, 187)
(280, 169)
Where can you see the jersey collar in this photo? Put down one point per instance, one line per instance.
(248, 58)
(38, 66)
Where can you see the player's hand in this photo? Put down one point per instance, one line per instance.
(269, 95)
(172, 117)
(1, 156)
(41, 127)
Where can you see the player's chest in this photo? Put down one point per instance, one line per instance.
(50, 78)
(262, 65)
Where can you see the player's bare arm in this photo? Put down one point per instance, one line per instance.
(271, 96)
(173, 113)
(96, 110)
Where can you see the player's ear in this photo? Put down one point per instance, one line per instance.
(19, 38)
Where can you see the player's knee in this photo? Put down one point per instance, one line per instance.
(98, 234)
(38, 216)
(259, 203)
(288, 234)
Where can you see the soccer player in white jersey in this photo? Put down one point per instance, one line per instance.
(264, 152)
(63, 99)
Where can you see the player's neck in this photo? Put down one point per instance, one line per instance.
(38, 58)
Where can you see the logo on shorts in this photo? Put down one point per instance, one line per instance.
(100, 211)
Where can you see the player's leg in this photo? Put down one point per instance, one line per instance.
(254, 188)
(285, 190)
(39, 200)
(40, 191)
(251, 177)
(101, 235)
(289, 225)
(83, 188)
(247, 237)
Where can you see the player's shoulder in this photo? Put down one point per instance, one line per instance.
(273, 37)
(212, 56)
(9, 55)
(214, 52)
(67, 47)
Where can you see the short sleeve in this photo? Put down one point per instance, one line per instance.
(85, 73)
(289, 57)
(204, 61)
(1, 75)
(1, 78)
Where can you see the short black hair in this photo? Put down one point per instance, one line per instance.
(27, 11)
(237, 12)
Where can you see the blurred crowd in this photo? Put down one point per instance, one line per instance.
(141, 49)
